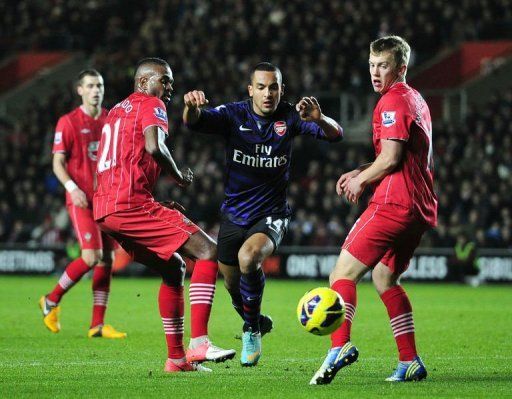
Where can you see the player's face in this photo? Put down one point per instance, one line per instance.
(160, 83)
(91, 90)
(265, 89)
(384, 71)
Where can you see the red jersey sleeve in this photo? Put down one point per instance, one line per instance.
(154, 114)
(395, 118)
(63, 136)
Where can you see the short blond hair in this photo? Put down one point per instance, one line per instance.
(396, 45)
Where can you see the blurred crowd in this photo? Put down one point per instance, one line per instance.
(212, 45)
(473, 180)
(320, 45)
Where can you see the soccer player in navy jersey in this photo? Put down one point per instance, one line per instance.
(258, 133)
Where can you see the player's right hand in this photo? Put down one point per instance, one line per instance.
(186, 177)
(78, 198)
(195, 99)
(341, 184)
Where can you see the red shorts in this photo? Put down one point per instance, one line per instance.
(151, 227)
(87, 230)
(385, 233)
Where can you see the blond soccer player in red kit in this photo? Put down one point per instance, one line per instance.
(402, 208)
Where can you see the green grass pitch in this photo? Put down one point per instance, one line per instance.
(463, 335)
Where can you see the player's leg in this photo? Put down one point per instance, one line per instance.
(203, 249)
(252, 283)
(365, 245)
(231, 276)
(74, 271)
(385, 278)
(343, 279)
(101, 279)
(171, 306)
(85, 228)
(171, 303)
(230, 239)
(252, 279)
(154, 245)
(263, 239)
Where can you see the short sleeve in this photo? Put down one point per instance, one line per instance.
(154, 113)
(396, 119)
(63, 137)
(213, 121)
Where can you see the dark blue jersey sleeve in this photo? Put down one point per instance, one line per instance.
(213, 121)
(303, 128)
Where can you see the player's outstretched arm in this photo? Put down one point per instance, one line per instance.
(309, 111)
(193, 100)
(78, 197)
(155, 146)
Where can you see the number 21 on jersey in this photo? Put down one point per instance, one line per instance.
(108, 158)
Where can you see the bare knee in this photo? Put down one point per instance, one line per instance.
(174, 275)
(92, 257)
(347, 268)
(206, 250)
(383, 279)
(250, 258)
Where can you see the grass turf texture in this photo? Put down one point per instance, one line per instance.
(463, 335)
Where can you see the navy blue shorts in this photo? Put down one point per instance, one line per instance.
(232, 236)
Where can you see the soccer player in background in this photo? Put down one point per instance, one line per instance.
(132, 152)
(74, 163)
(258, 133)
(402, 208)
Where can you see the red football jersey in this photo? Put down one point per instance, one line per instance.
(126, 173)
(77, 135)
(402, 114)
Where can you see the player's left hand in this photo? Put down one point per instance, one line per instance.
(309, 109)
(354, 189)
(174, 205)
(186, 177)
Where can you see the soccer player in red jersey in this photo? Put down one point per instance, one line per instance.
(402, 208)
(74, 163)
(132, 152)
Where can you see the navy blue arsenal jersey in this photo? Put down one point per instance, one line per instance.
(258, 151)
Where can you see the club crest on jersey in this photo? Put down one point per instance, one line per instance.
(280, 127)
(87, 236)
(58, 138)
(388, 118)
(161, 114)
(92, 150)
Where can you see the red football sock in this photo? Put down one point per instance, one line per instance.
(100, 289)
(347, 290)
(400, 315)
(202, 290)
(72, 275)
(172, 308)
